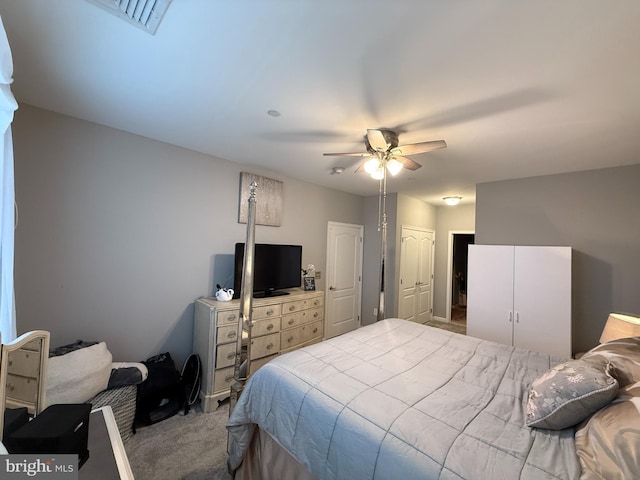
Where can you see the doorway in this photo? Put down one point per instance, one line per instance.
(459, 242)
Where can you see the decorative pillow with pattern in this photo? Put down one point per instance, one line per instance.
(624, 354)
(568, 393)
(608, 443)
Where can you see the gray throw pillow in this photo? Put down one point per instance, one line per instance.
(568, 393)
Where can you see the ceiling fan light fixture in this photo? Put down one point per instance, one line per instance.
(453, 200)
(378, 174)
(394, 166)
(372, 165)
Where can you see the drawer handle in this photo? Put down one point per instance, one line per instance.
(291, 321)
(316, 302)
(231, 317)
(315, 330)
(231, 334)
(269, 312)
(270, 346)
(315, 315)
(10, 387)
(292, 308)
(290, 339)
(230, 355)
(270, 327)
(228, 378)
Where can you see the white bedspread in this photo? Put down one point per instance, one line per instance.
(399, 400)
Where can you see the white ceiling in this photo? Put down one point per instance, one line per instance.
(516, 88)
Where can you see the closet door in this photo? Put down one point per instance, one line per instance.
(490, 292)
(542, 299)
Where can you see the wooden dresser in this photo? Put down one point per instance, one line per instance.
(280, 324)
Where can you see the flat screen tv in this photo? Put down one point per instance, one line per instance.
(276, 267)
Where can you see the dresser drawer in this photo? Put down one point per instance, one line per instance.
(227, 334)
(24, 362)
(228, 316)
(268, 311)
(316, 302)
(292, 320)
(314, 314)
(310, 331)
(21, 388)
(226, 354)
(223, 379)
(290, 307)
(266, 345)
(265, 327)
(289, 338)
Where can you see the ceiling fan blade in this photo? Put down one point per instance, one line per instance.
(408, 163)
(415, 148)
(360, 168)
(377, 141)
(351, 154)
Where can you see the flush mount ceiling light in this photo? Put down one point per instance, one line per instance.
(452, 200)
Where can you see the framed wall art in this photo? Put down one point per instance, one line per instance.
(268, 199)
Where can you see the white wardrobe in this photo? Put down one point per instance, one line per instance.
(521, 296)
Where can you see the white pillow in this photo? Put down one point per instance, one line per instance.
(78, 376)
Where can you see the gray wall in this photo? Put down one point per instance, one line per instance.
(596, 213)
(118, 234)
(401, 211)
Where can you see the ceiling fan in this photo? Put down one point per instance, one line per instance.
(384, 153)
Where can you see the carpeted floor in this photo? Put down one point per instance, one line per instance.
(191, 447)
(452, 327)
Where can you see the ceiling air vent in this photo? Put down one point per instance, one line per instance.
(144, 14)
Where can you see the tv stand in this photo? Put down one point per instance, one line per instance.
(270, 293)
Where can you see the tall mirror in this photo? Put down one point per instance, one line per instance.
(23, 373)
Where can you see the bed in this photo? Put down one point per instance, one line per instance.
(399, 400)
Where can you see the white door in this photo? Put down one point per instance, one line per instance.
(344, 278)
(490, 293)
(425, 277)
(542, 299)
(409, 254)
(416, 274)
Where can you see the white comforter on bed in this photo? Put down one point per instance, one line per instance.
(399, 400)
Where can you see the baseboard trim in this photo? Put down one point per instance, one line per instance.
(441, 319)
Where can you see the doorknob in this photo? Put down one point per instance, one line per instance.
(332, 288)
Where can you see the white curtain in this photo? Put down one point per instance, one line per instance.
(8, 105)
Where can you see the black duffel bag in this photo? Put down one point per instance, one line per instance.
(161, 395)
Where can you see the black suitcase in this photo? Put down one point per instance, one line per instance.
(14, 418)
(62, 428)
